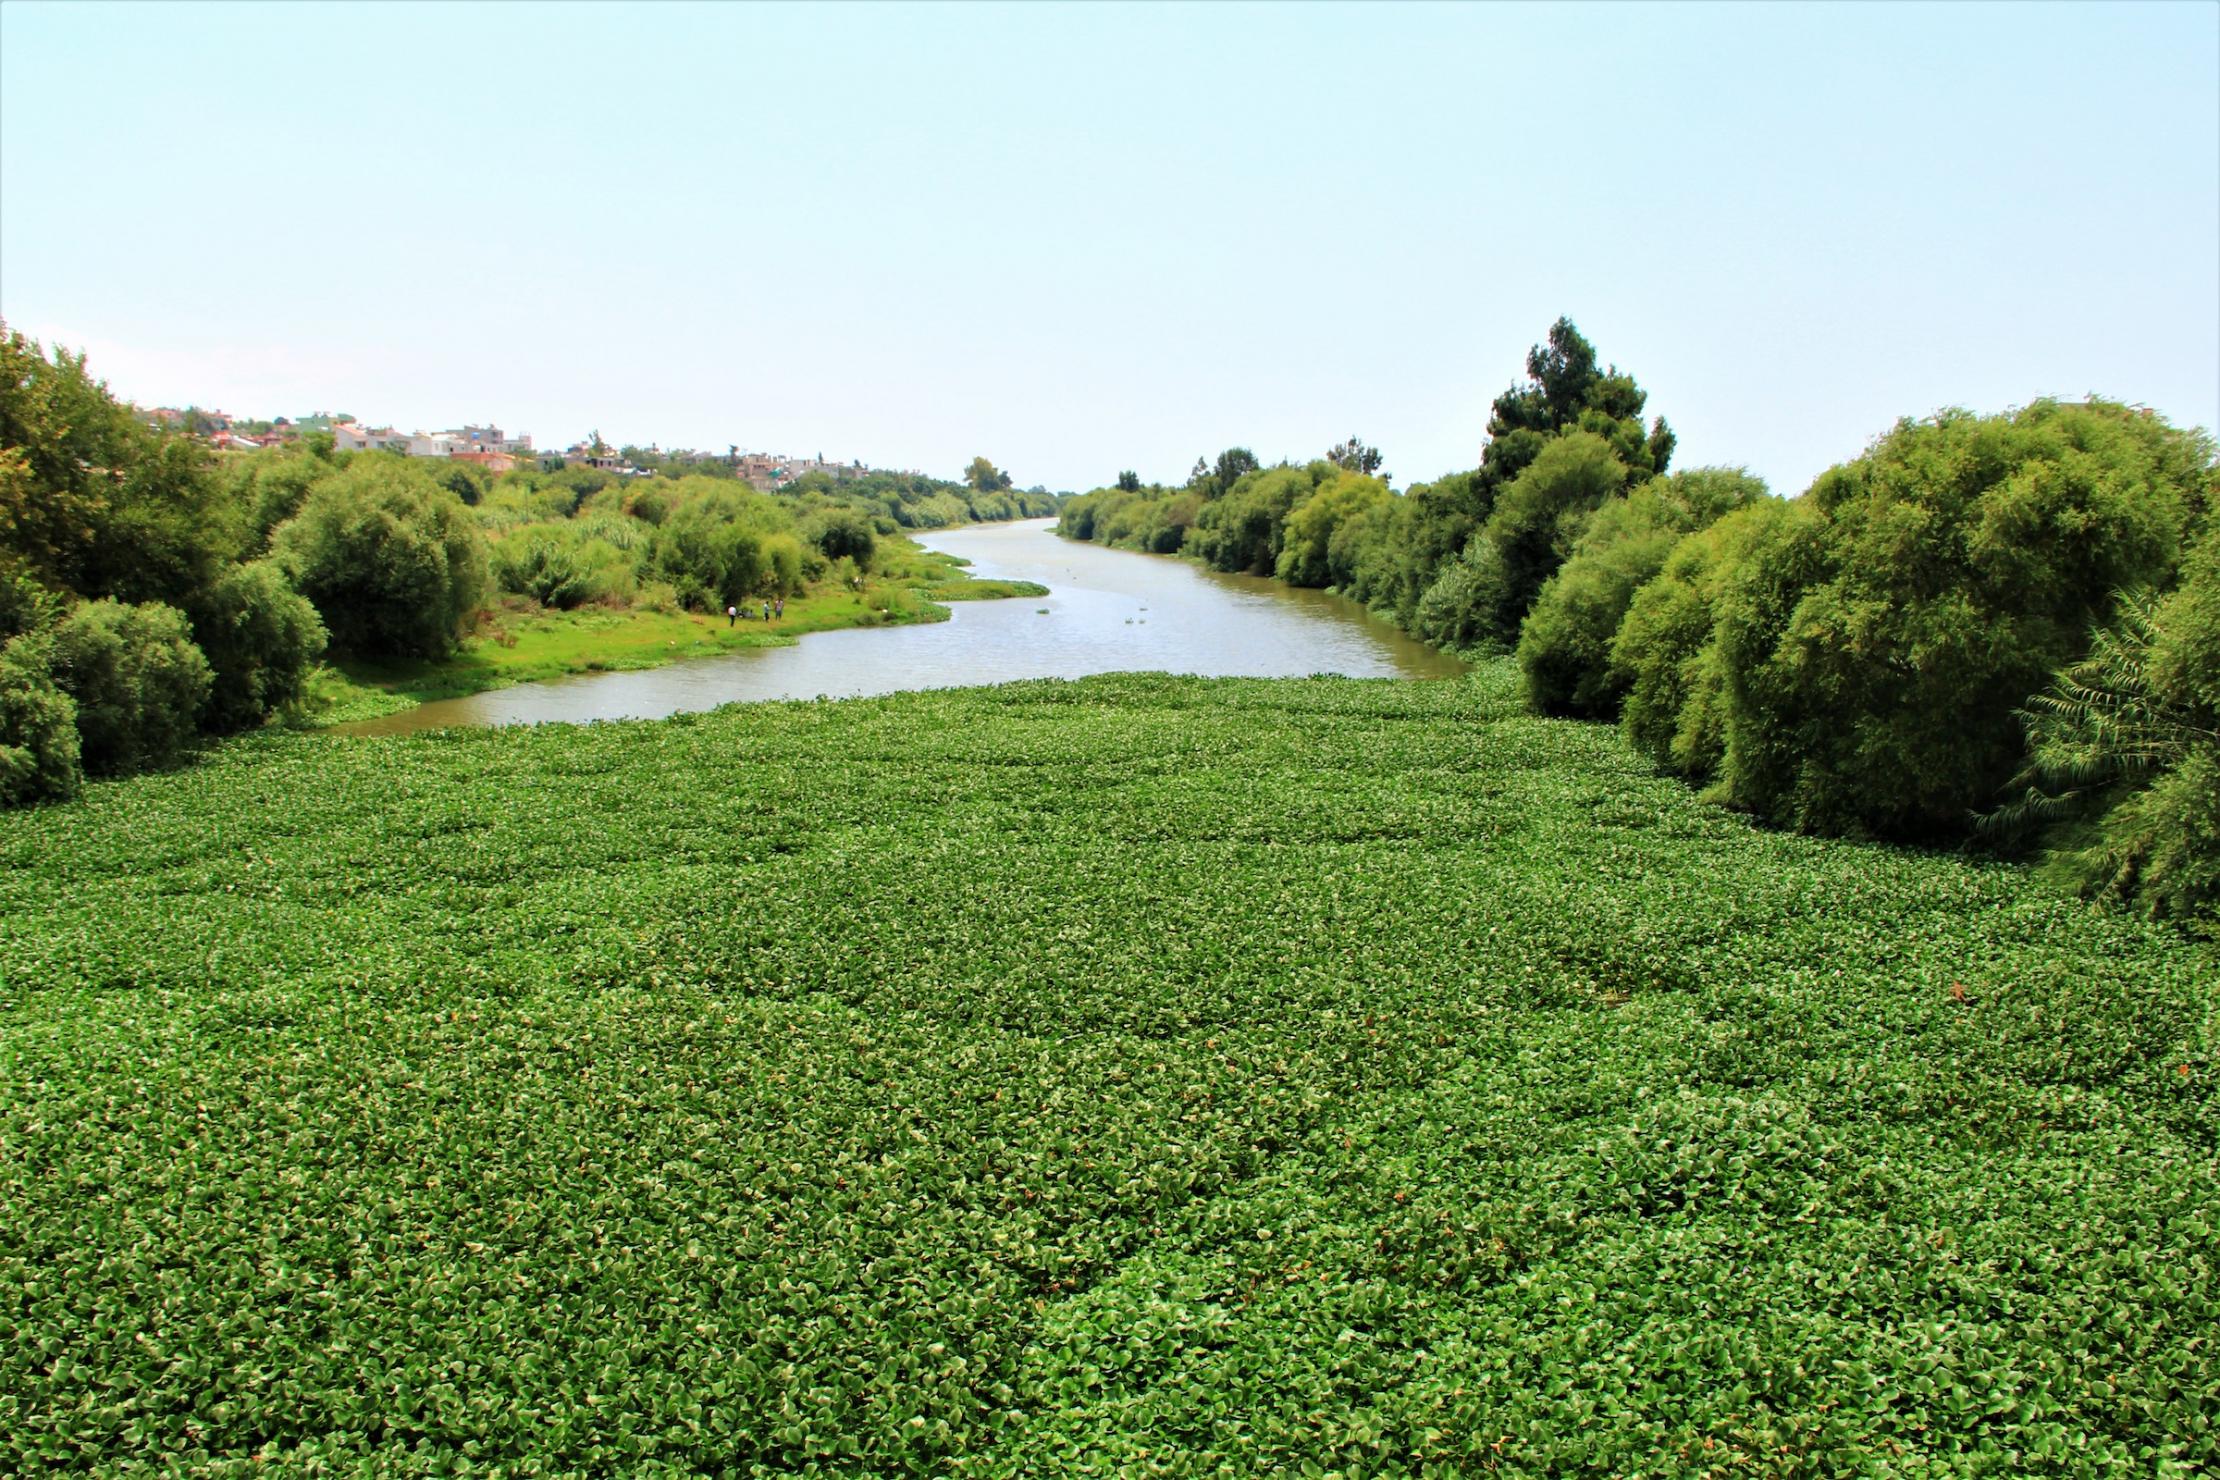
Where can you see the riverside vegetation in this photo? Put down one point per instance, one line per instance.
(1997, 625)
(151, 593)
(1130, 1076)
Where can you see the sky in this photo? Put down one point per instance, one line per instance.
(1080, 239)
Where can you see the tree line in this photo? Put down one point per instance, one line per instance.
(152, 592)
(2002, 628)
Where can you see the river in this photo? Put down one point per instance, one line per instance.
(1107, 611)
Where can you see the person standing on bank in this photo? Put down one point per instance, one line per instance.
(732, 615)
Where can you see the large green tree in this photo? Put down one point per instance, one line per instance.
(393, 562)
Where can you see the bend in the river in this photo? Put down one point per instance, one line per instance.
(1107, 611)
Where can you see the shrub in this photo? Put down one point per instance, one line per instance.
(1458, 609)
(2124, 760)
(261, 638)
(1664, 656)
(1243, 530)
(540, 561)
(394, 564)
(1876, 658)
(25, 605)
(1565, 642)
(1539, 517)
(843, 532)
(706, 551)
(39, 756)
(138, 680)
(1307, 546)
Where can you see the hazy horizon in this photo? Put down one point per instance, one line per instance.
(1083, 239)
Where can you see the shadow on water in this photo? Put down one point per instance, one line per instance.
(1107, 611)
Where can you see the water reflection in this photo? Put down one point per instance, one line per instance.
(1108, 611)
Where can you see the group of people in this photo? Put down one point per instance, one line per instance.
(773, 606)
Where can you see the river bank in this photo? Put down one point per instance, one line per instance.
(521, 643)
(1105, 611)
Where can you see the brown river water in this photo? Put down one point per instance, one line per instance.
(1107, 611)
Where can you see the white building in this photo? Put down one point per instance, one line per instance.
(347, 436)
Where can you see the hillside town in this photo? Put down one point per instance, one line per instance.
(494, 450)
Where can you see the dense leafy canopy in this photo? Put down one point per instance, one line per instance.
(391, 558)
(138, 679)
(1875, 653)
(1565, 642)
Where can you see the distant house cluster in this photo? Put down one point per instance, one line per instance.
(489, 447)
(772, 470)
(486, 446)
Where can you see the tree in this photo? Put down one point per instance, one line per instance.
(138, 680)
(1539, 516)
(1875, 654)
(93, 502)
(1564, 648)
(2124, 754)
(394, 564)
(261, 639)
(1129, 482)
(40, 758)
(1564, 391)
(1354, 456)
(985, 477)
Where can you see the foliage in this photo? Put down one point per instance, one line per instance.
(1564, 392)
(90, 501)
(1243, 528)
(1875, 657)
(39, 751)
(1665, 653)
(25, 605)
(1353, 456)
(393, 563)
(1140, 1075)
(2124, 753)
(1564, 646)
(1413, 558)
(985, 477)
(842, 534)
(1308, 555)
(261, 639)
(711, 548)
(1539, 516)
(138, 680)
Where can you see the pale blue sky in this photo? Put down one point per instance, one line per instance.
(1082, 239)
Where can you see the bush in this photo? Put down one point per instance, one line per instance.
(39, 756)
(261, 638)
(394, 564)
(1458, 609)
(707, 550)
(1565, 642)
(1242, 531)
(844, 533)
(1539, 517)
(1664, 656)
(138, 680)
(1307, 547)
(2124, 759)
(540, 561)
(1870, 652)
(26, 606)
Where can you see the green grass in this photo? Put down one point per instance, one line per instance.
(524, 644)
(1124, 1077)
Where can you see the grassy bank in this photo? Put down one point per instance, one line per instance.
(521, 643)
(1130, 1076)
